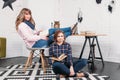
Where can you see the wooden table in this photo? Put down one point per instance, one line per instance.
(91, 38)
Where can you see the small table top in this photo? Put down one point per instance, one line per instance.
(89, 35)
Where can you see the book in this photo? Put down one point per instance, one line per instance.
(60, 58)
(44, 33)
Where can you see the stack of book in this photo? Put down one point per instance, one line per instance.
(87, 33)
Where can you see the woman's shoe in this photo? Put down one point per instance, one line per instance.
(74, 29)
(85, 74)
(62, 76)
(75, 25)
(74, 32)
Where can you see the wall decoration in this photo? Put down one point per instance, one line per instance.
(8, 3)
(111, 5)
(98, 1)
(80, 18)
(110, 8)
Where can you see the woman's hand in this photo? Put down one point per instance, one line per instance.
(41, 30)
(62, 56)
(72, 72)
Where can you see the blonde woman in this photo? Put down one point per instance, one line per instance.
(25, 26)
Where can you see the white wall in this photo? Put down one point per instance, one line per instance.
(7, 28)
(43, 11)
(95, 18)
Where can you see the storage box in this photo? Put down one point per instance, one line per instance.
(2, 47)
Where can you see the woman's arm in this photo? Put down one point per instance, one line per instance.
(69, 55)
(50, 53)
(27, 34)
(72, 72)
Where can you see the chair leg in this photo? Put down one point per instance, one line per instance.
(42, 60)
(28, 61)
(46, 63)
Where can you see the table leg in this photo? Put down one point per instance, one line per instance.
(99, 50)
(93, 38)
(83, 48)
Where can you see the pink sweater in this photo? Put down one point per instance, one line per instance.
(28, 35)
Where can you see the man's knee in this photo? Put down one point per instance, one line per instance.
(83, 62)
(56, 64)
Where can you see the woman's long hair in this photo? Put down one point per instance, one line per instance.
(21, 17)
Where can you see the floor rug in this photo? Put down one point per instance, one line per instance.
(35, 72)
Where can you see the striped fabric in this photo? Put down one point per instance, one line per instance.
(35, 72)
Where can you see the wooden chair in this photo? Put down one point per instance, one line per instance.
(44, 62)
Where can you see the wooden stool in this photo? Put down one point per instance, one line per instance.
(42, 57)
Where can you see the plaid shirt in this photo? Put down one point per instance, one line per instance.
(56, 50)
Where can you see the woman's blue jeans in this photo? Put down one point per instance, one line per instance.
(40, 44)
(60, 68)
(44, 43)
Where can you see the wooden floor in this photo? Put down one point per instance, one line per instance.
(110, 69)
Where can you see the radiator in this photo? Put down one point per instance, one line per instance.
(2, 47)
